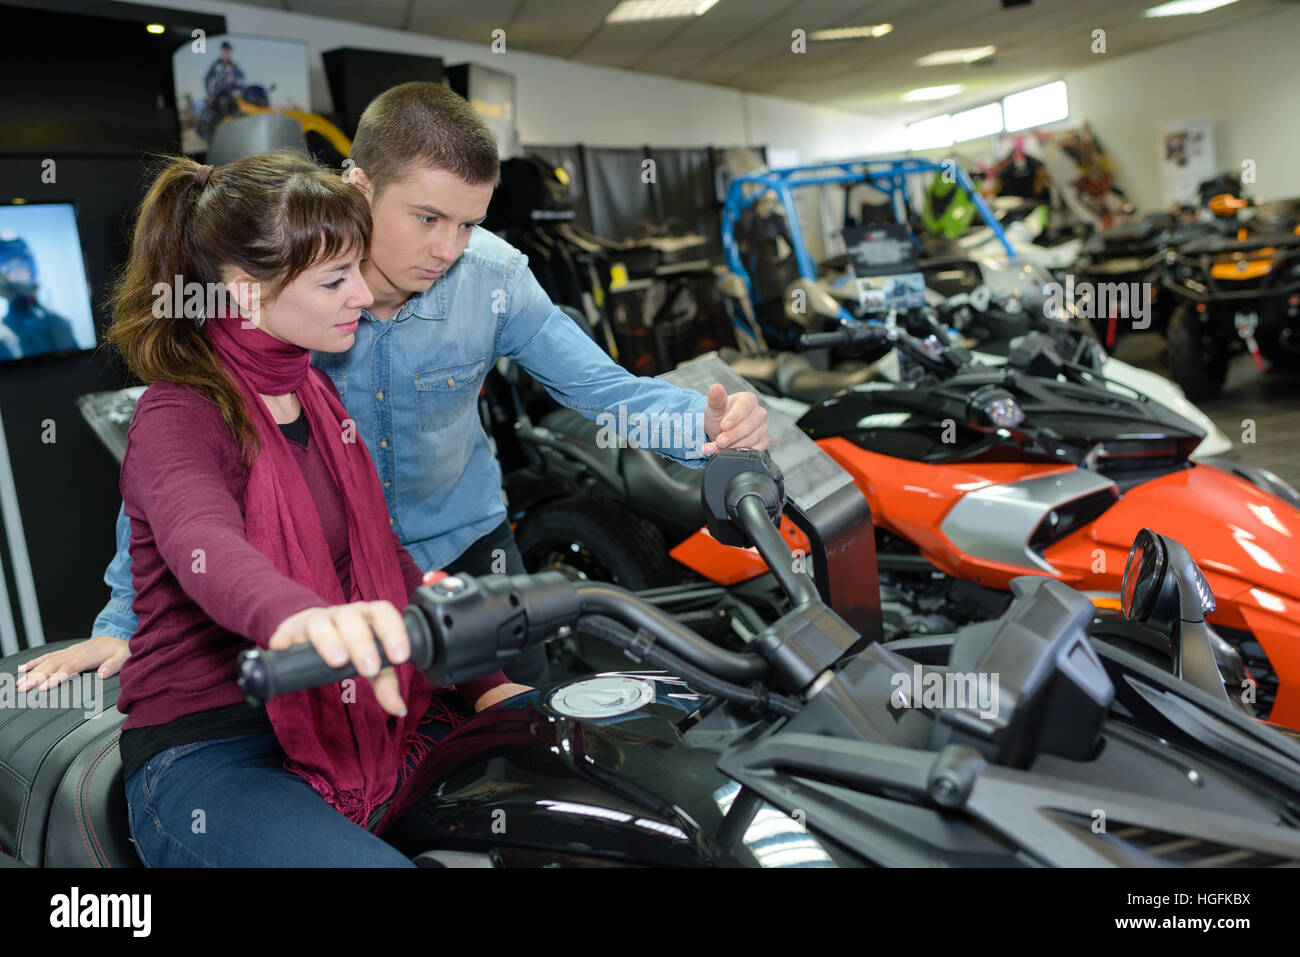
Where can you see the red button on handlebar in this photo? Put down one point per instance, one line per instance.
(433, 577)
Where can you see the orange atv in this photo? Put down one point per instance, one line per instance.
(976, 475)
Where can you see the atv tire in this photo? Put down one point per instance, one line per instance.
(612, 544)
(1194, 358)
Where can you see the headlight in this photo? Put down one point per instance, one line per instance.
(993, 408)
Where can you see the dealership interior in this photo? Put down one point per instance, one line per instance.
(826, 433)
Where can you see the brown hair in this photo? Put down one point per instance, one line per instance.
(423, 123)
(270, 216)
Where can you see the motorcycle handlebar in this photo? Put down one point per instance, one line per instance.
(845, 337)
(463, 628)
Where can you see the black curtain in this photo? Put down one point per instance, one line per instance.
(687, 198)
(621, 204)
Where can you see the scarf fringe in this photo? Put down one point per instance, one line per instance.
(351, 804)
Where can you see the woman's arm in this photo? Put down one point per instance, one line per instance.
(180, 474)
(177, 476)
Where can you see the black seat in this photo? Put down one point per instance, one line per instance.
(797, 379)
(655, 486)
(62, 798)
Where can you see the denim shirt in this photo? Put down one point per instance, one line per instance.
(411, 384)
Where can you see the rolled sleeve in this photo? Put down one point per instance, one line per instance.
(118, 619)
(646, 413)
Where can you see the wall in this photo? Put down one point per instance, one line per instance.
(564, 102)
(1246, 79)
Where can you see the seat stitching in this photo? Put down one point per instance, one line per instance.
(90, 770)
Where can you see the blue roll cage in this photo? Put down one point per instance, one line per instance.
(887, 175)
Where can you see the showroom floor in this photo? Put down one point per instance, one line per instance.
(1273, 401)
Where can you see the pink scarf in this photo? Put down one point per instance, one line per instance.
(350, 753)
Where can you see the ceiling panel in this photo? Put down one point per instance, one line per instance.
(471, 22)
(375, 13)
(745, 44)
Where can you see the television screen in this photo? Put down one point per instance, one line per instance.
(44, 295)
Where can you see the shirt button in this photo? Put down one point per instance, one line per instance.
(380, 395)
(390, 520)
(383, 443)
(387, 483)
(451, 380)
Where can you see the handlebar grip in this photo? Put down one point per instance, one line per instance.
(845, 337)
(264, 674)
(838, 339)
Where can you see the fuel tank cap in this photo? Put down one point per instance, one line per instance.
(605, 696)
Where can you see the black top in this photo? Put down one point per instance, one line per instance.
(138, 745)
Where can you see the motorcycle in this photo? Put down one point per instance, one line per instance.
(1036, 739)
(979, 474)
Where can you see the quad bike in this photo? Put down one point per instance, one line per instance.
(999, 299)
(1139, 251)
(814, 747)
(1232, 295)
(763, 241)
(977, 475)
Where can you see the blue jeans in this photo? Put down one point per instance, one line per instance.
(231, 803)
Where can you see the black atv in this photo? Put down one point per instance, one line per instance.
(1232, 295)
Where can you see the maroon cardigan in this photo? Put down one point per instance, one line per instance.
(202, 592)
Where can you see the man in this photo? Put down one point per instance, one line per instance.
(449, 299)
(221, 82)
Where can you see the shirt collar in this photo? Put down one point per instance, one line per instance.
(430, 304)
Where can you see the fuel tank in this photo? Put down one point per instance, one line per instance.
(610, 770)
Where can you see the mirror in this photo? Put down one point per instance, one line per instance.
(1143, 573)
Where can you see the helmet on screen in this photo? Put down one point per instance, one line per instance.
(17, 267)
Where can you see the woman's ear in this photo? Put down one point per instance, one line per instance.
(247, 294)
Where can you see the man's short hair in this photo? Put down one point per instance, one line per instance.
(428, 124)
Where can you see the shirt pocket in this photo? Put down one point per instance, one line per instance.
(443, 395)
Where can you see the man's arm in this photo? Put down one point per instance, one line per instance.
(118, 620)
(577, 373)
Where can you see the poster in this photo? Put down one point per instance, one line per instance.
(1186, 160)
(885, 267)
(210, 82)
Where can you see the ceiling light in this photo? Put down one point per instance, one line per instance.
(1036, 106)
(852, 33)
(156, 28)
(1183, 8)
(950, 57)
(932, 93)
(982, 121)
(630, 11)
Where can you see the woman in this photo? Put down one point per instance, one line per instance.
(257, 514)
